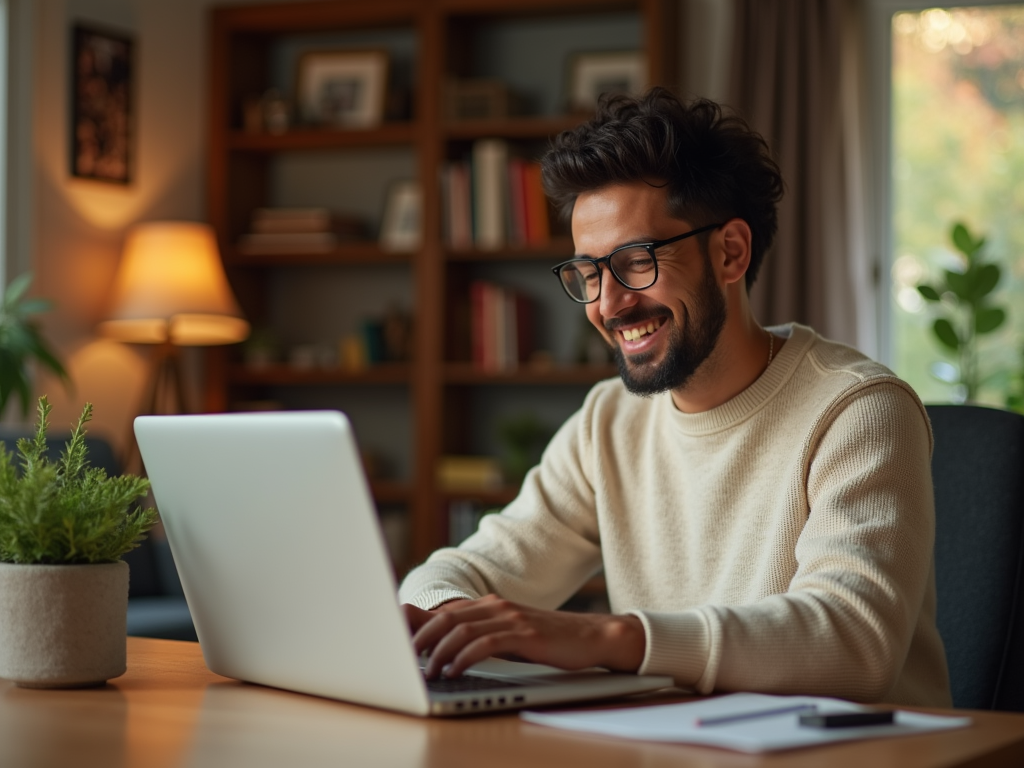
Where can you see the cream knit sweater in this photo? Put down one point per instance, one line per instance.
(781, 542)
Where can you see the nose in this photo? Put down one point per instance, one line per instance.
(615, 297)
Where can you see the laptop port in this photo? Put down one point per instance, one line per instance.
(459, 704)
(475, 704)
(501, 699)
(519, 699)
(487, 702)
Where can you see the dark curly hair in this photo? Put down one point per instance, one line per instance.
(714, 166)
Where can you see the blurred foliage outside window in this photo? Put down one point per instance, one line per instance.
(958, 155)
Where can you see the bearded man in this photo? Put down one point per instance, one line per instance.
(760, 499)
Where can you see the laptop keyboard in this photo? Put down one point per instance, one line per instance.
(468, 683)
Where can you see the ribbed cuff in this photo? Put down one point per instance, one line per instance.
(431, 598)
(677, 645)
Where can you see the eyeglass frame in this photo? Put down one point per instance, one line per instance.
(650, 247)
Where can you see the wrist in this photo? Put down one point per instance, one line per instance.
(625, 642)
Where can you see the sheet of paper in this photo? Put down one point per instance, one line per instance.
(679, 723)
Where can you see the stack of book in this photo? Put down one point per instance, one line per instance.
(502, 326)
(493, 200)
(461, 474)
(297, 231)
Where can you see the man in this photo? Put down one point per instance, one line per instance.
(760, 499)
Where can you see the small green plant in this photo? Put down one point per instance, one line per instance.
(962, 301)
(68, 512)
(523, 439)
(21, 342)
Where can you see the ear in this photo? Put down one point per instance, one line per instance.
(734, 241)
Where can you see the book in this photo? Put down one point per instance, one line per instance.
(501, 327)
(469, 473)
(287, 243)
(490, 170)
(538, 226)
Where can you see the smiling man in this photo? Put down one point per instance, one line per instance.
(760, 499)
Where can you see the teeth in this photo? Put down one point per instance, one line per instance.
(632, 334)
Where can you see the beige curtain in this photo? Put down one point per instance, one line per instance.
(797, 78)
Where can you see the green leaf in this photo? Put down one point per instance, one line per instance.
(985, 280)
(34, 306)
(960, 284)
(16, 289)
(988, 319)
(964, 242)
(945, 333)
(928, 292)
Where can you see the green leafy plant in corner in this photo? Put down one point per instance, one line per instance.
(962, 302)
(68, 512)
(22, 342)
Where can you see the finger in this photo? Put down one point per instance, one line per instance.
(415, 617)
(442, 623)
(454, 641)
(515, 642)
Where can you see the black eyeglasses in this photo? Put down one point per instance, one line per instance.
(635, 266)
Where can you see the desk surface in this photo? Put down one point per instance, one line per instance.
(169, 710)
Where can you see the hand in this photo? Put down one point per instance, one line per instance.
(417, 617)
(463, 632)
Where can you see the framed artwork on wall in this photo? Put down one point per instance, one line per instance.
(594, 74)
(344, 89)
(101, 104)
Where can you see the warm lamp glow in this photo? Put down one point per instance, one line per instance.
(171, 287)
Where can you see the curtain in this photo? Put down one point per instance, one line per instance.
(796, 78)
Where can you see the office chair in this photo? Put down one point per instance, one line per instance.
(978, 474)
(156, 603)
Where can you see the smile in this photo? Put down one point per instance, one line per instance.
(637, 332)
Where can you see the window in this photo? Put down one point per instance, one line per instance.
(957, 155)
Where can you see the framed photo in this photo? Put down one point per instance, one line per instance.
(402, 228)
(594, 74)
(101, 105)
(342, 88)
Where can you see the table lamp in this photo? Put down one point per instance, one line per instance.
(171, 291)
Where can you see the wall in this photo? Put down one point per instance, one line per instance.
(77, 226)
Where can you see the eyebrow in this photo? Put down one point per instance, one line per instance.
(634, 241)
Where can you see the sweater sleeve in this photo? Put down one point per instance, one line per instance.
(864, 558)
(538, 551)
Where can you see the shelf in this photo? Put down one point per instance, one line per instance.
(284, 375)
(346, 254)
(467, 373)
(390, 491)
(558, 249)
(511, 127)
(498, 497)
(304, 139)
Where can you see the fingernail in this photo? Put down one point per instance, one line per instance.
(446, 670)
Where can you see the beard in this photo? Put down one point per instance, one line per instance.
(688, 347)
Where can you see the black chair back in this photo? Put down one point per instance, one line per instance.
(978, 472)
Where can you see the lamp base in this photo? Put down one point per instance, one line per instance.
(164, 394)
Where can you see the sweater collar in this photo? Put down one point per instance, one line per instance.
(799, 340)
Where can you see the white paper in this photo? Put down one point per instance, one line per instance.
(678, 723)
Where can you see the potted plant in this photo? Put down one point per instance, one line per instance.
(22, 342)
(963, 304)
(63, 585)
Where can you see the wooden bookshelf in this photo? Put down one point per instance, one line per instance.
(442, 40)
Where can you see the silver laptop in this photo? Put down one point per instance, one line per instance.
(276, 540)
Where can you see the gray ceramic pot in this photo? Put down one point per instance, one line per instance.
(63, 626)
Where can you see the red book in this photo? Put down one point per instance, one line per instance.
(538, 228)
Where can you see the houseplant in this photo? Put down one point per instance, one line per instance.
(63, 585)
(965, 311)
(21, 342)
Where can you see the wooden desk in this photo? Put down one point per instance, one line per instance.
(169, 710)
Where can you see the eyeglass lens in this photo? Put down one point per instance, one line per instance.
(634, 267)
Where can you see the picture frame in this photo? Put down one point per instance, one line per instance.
(593, 74)
(342, 88)
(401, 230)
(102, 104)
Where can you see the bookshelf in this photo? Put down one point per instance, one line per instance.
(436, 402)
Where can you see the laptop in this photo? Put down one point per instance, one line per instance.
(278, 546)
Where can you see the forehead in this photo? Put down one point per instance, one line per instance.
(605, 218)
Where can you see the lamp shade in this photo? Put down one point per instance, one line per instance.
(171, 286)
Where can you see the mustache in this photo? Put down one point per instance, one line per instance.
(638, 315)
